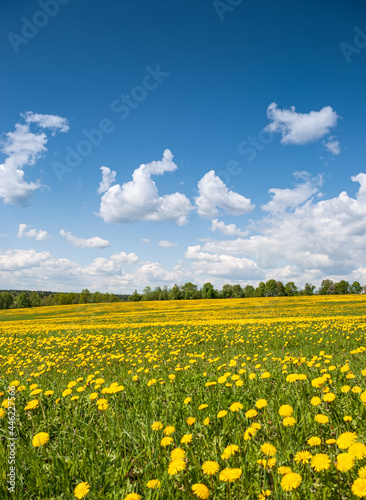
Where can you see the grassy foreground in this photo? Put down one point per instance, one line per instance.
(240, 399)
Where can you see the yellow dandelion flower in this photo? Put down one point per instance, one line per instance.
(362, 472)
(314, 441)
(81, 490)
(329, 397)
(315, 401)
(176, 466)
(35, 392)
(291, 481)
(40, 439)
(191, 420)
(284, 470)
(230, 475)
(357, 450)
(156, 426)
(321, 419)
(32, 404)
(251, 413)
(169, 429)
(359, 487)
(166, 441)
(201, 491)
(302, 457)
(264, 494)
(320, 462)
(202, 407)
(187, 401)
(153, 484)
(230, 450)
(345, 440)
(271, 462)
(206, 421)
(268, 449)
(178, 453)
(345, 462)
(210, 467)
(236, 407)
(14, 383)
(288, 422)
(285, 411)
(222, 414)
(261, 403)
(187, 438)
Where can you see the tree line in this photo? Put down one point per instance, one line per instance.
(10, 299)
(270, 288)
(26, 298)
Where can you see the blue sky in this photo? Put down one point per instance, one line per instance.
(252, 112)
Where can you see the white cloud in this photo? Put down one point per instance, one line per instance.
(214, 193)
(145, 240)
(108, 178)
(139, 200)
(31, 270)
(112, 265)
(47, 121)
(166, 244)
(24, 232)
(300, 128)
(332, 145)
(319, 237)
(227, 229)
(154, 272)
(13, 260)
(94, 242)
(23, 147)
(291, 198)
(222, 265)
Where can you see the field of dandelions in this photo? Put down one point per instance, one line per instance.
(221, 399)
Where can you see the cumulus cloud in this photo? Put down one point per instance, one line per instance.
(222, 265)
(332, 145)
(227, 229)
(112, 265)
(301, 128)
(94, 242)
(166, 244)
(214, 193)
(283, 199)
(25, 232)
(47, 121)
(318, 238)
(23, 147)
(108, 178)
(30, 269)
(139, 200)
(12, 260)
(154, 272)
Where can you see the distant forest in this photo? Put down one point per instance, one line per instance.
(11, 299)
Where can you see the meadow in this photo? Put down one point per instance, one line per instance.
(222, 399)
